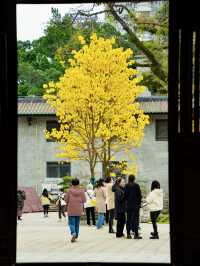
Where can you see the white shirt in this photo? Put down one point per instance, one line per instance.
(89, 194)
(155, 200)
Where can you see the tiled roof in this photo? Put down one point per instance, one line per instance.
(38, 106)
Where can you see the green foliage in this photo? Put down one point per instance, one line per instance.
(162, 219)
(40, 61)
(66, 182)
(159, 46)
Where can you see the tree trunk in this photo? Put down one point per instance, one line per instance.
(106, 169)
(91, 170)
(106, 160)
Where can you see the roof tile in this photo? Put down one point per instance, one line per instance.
(38, 106)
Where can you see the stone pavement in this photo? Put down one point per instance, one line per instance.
(48, 240)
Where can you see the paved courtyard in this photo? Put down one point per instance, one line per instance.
(47, 240)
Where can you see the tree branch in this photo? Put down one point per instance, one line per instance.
(156, 66)
(142, 65)
(82, 13)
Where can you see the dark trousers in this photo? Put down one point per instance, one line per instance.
(45, 209)
(154, 217)
(107, 215)
(90, 212)
(111, 215)
(61, 211)
(132, 221)
(121, 219)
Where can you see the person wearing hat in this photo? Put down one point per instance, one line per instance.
(89, 205)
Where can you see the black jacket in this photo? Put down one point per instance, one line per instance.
(133, 196)
(120, 205)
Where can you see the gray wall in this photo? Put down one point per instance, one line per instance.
(34, 151)
(152, 157)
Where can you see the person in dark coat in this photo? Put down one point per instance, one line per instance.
(120, 206)
(133, 198)
(21, 196)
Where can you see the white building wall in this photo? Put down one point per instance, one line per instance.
(34, 152)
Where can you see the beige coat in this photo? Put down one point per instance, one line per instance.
(110, 196)
(100, 199)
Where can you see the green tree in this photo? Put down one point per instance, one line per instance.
(48, 56)
(66, 182)
(154, 52)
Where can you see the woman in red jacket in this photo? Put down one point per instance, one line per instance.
(75, 199)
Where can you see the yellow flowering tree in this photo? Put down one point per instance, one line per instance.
(95, 104)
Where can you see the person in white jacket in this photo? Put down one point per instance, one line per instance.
(89, 207)
(155, 204)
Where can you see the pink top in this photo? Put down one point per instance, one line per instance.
(75, 199)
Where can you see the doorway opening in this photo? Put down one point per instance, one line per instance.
(48, 36)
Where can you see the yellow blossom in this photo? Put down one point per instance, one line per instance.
(81, 39)
(95, 103)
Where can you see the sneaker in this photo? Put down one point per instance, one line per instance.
(98, 228)
(137, 237)
(129, 237)
(119, 236)
(73, 238)
(154, 237)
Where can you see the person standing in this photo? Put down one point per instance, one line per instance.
(110, 200)
(90, 204)
(61, 204)
(21, 196)
(100, 202)
(45, 201)
(155, 203)
(133, 199)
(75, 199)
(120, 206)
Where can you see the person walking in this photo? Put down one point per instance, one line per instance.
(21, 196)
(110, 200)
(100, 202)
(89, 205)
(120, 206)
(61, 204)
(45, 201)
(155, 204)
(133, 199)
(75, 199)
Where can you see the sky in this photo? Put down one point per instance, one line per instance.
(31, 19)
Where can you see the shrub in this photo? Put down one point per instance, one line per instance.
(66, 182)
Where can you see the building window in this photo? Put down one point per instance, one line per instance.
(57, 170)
(50, 124)
(161, 129)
